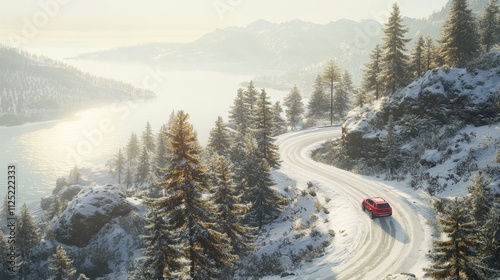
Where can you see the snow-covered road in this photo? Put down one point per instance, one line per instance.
(371, 249)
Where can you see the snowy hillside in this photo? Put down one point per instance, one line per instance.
(446, 127)
(36, 88)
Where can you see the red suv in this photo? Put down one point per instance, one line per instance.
(377, 206)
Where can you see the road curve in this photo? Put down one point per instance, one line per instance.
(381, 246)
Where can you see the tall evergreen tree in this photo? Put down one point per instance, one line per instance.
(264, 131)
(118, 165)
(481, 198)
(161, 156)
(417, 58)
(491, 234)
(133, 150)
(457, 257)
(129, 176)
(192, 216)
(280, 126)
(27, 237)
(459, 39)
(240, 114)
(341, 98)
(148, 138)
(75, 175)
(4, 266)
(231, 211)
(371, 76)
(294, 107)
(490, 25)
(5, 208)
(394, 60)
(256, 180)
(143, 167)
(317, 108)
(429, 61)
(331, 78)
(61, 266)
(390, 146)
(219, 139)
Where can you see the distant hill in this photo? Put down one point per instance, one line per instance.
(297, 49)
(36, 88)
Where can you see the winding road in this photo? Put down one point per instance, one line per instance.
(380, 246)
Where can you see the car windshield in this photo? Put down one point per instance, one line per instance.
(384, 205)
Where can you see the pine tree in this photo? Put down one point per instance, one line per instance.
(240, 114)
(250, 97)
(148, 138)
(341, 98)
(191, 216)
(55, 207)
(161, 157)
(133, 150)
(143, 167)
(481, 198)
(219, 140)
(118, 165)
(331, 77)
(371, 76)
(459, 39)
(264, 130)
(129, 177)
(491, 234)
(457, 256)
(317, 108)
(278, 121)
(4, 266)
(75, 175)
(394, 60)
(27, 237)
(490, 26)
(417, 58)
(256, 180)
(61, 266)
(162, 256)
(230, 211)
(294, 107)
(5, 208)
(429, 60)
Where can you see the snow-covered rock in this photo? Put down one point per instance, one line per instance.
(88, 212)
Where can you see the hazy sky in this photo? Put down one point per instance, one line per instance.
(134, 21)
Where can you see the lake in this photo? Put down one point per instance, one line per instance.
(46, 151)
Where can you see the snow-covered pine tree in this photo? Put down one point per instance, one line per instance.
(394, 73)
(417, 58)
(239, 113)
(75, 175)
(4, 267)
(317, 108)
(294, 107)
(264, 130)
(219, 139)
(27, 237)
(162, 252)
(250, 98)
(118, 165)
(161, 156)
(457, 256)
(230, 210)
(55, 207)
(489, 25)
(256, 182)
(341, 99)
(129, 176)
(371, 75)
(191, 215)
(491, 233)
(481, 198)
(133, 150)
(459, 39)
(331, 78)
(280, 126)
(429, 61)
(148, 138)
(5, 208)
(143, 166)
(61, 266)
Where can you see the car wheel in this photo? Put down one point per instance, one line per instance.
(363, 207)
(371, 215)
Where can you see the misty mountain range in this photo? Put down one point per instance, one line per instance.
(296, 49)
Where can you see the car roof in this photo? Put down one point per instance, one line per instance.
(378, 199)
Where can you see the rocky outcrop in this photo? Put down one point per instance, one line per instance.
(91, 209)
